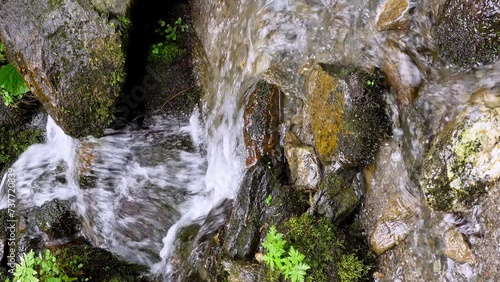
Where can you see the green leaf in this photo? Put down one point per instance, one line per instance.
(12, 81)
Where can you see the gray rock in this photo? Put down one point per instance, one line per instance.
(70, 57)
(117, 7)
(339, 194)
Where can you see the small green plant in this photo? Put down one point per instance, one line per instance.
(12, 86)
(167, 49)
(40, 268)
(291, 266)
(371, 82)
(170, 32)
(268, 199)
(126, 22)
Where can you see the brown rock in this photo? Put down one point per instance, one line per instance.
(393, 15)
(392, 227)
(261, 128)
(457, 247)
(403, 77)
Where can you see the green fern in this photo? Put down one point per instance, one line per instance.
(40, 268)
(291, 266)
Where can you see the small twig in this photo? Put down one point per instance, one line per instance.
(169, 99)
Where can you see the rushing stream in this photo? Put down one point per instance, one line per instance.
(141, 186)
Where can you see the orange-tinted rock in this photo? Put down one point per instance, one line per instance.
(457, 247)
(393, 15)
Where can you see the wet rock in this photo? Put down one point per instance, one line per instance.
(393, 14)
(466, 32)
(261, 127)
(243, 230)
(57, 219)
(239, 271)
(119, 8)
(457, 247)
(464, 159)
(74, 65)
(305, 168)
(403, 77)
(392, 227)
(339, 194)
(348, 117)
(200, 258)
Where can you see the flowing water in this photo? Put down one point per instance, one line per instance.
(143, 185)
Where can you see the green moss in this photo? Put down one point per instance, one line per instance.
(167, 54)
(14, 142)
(325, 250)
(96, 264)
(94, 105)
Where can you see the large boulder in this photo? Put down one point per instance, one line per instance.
(70, 56)
(465, 158)
(466, 32)
(347, 114)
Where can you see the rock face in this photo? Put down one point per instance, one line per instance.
(347, 114)
(339, 194)
(261, 131)
(70, 57)
(465, 158)
(467, 32)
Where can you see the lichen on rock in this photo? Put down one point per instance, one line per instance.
(464, 160)
(348, 116)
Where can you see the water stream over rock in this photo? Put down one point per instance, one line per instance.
(135, 189)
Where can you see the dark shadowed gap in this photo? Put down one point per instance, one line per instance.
(130, 106)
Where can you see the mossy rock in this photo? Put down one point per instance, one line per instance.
(463, 161)
(84, 261)
(57, 219)
(14, 142)
(348, 116)
(468, 32)
(73, 65)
